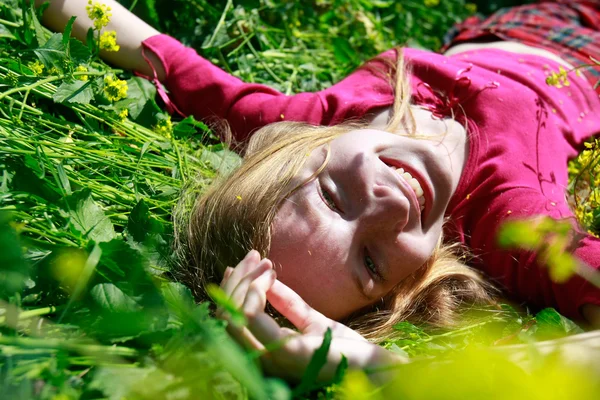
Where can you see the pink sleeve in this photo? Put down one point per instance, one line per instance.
(201, 89)
(517, 271)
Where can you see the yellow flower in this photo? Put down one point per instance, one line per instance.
(108, 41)
(432, 3)
(99, 13)
(114, 89)
(123, 114)
(81, 68)
(558, 79)
(471, 8)
(164, 127)
(37, 67)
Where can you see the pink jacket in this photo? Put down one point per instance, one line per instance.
(522, 133)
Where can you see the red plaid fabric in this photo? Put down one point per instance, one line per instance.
(570, 29)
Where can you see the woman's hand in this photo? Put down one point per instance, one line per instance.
(250, 285)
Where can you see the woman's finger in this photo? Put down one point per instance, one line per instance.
(240, 292)
(226, 275)
(241, 270)
(303, 316)
(256, 297)
(294, 308)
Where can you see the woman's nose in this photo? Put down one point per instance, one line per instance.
(388, 210)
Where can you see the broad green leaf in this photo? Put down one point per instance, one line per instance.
(112, 299)
(88, 218)
(224, 161)
(140, 91)
(79, 53)
(551, 325)
(52, 53)
(141, 225)
(179, 299)
(74, 92)
(188, 127)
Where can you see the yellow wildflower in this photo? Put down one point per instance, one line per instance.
(432, 3)
(108, 41)
(558, 79)
(471, 8)
(37, 67)
(114, 89)
(99, 13)
(164, 127)
(81, 68)
(123, 114)
(238, 197)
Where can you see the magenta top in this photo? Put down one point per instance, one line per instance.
(521, 134)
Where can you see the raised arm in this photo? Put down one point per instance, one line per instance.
(131, 32)
(198, 87)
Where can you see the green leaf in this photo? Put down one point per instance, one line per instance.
(411, 331)
(224, 161)
(14, 269)
(343, 51)
(224, 301)
(141, 91)
(91, 41)
(52, 53)
(66, 35)
(112, 299)
(79, 53)
(87, 217)
(6, 33)
(179, 299)
(317, 361)
(74, 92)
(141, 225)
(551, 325)
(340, 371)
(519, 234)
(188, 127)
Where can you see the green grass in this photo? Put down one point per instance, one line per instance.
(88, 309)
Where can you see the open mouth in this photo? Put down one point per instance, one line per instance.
(416, 182)
(414, 185)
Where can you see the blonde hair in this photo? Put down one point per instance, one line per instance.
(235, 214)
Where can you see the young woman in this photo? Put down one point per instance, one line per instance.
(351, 214)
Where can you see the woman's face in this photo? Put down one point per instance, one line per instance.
(344, 239)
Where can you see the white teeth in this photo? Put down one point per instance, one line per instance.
(414, 184)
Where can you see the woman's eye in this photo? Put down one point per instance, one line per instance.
(370, 264)
(328, 199)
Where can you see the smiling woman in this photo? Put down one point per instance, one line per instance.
(350, 215)
(343, 227)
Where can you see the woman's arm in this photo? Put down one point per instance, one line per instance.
(131, 32)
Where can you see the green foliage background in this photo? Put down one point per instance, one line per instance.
(88, 309)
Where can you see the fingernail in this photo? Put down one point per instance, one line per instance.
(252, 253)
